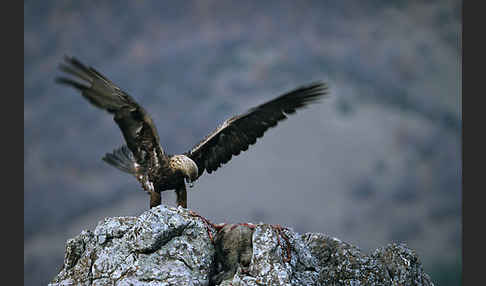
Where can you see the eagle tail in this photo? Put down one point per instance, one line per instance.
(123, 159)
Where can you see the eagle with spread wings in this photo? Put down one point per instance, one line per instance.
(144, 157)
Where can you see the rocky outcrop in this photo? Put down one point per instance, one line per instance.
(173, 246)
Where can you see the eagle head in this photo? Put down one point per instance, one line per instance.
(187, 166)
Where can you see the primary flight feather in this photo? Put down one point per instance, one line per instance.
(143, 156)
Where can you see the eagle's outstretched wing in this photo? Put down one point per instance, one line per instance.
(135, 123)
(241, 131)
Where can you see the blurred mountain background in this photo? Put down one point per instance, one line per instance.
(378, 161)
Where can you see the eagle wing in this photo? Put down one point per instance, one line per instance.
(135, 123)
(241, 131)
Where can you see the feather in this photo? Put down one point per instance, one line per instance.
(134, 122)
(237, 133)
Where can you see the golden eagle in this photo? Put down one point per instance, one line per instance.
(143, 156)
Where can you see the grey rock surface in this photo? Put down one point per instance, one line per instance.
(163, 246)
(173, 246)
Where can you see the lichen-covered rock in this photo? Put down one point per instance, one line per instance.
(402, 264)
(164, 246)
(280, 257)
(343, 264)
(169, 246)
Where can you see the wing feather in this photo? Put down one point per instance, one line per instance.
(239, 132)
(135, 123)
(123, 159)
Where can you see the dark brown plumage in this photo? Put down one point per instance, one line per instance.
(143, 156)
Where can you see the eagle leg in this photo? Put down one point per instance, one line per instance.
(155, 199)
(182, 196)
